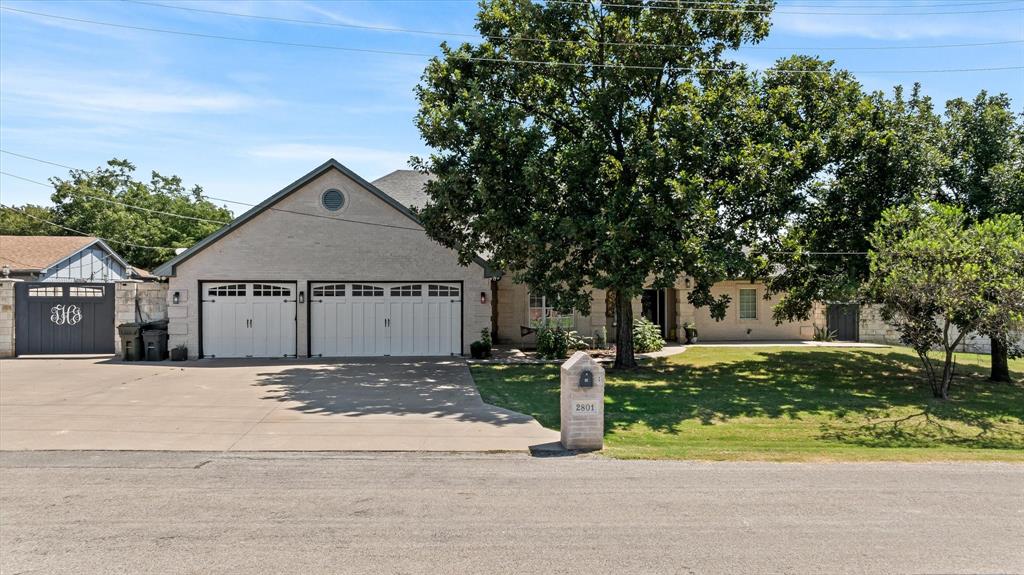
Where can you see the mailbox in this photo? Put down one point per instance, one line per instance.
(586, 379)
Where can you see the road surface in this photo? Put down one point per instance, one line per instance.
(155, 512)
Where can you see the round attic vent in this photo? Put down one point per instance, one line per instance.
(333, 200)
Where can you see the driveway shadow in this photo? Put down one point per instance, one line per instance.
(392, 386)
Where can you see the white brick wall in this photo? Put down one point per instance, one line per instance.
(280, 246)
(151, 298)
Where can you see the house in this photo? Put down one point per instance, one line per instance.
(333, 265)
(66, 294)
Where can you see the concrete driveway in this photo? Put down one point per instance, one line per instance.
(380, 404)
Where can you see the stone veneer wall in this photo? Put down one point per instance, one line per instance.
(150, 297)
(874, 329)
(6, 318)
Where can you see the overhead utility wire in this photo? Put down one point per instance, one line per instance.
(497, 60)
(44, 184)
(542, 40)
(739, 9)
(392, 226)
(81, 233)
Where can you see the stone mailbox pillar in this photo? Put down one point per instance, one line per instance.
(582, 403)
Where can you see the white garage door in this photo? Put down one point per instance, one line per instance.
(248, 320)
(365, 319)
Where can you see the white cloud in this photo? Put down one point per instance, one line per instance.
(891, 28)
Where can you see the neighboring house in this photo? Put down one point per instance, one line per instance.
(333, 266)
(65, 294)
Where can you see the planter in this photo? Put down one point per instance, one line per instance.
(691, 335)
(179, 354)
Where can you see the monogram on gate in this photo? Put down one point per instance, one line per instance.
(65, 315)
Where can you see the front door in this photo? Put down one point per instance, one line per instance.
(653, 307)
(63, 318)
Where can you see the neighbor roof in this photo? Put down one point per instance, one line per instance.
(168, 269)
(406, 186)
(34, 253)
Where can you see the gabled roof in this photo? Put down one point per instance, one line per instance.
(406, 186)
(35, 253)
(168, 269)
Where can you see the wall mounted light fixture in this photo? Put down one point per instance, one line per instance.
(302, 297)
(483, 297)
(176, 298)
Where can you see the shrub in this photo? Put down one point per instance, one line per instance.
(646, 336)
(555, 342)
(601, 338)
(824, 334)
(479, 350)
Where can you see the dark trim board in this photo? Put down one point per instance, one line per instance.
(309, 305)
(201, 294)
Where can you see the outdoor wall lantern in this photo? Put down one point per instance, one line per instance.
(483, 297)
(176, 298)
(302, 297)
(687, 280)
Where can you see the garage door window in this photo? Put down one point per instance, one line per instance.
(333, 290)
(80, 291)
(228, 290)
(442, 291)
(360, 290)
(259, 290)
(412, 290)
(45, 292)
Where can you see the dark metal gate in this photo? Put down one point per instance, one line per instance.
(63, 318)
(844, 320)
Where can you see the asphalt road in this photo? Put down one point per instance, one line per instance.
(154, 512)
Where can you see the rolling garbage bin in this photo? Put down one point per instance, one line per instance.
(155, 342)
(131, 341)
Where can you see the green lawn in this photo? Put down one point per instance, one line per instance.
(786, 404)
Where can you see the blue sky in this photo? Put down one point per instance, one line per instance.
(243, 120)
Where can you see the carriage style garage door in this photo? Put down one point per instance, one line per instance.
(367, 319)
(248, 319)
(63, 318)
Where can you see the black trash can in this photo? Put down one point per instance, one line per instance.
(131, 341)
(155, 342)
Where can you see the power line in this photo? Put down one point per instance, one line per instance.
(738, 9)
(541, 40)
(124, 243)
(34, 159)
(37, 182)
(496, 60)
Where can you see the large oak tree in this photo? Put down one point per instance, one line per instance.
(619, 146)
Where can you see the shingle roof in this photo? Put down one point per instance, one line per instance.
(32, 253)
(406, 186)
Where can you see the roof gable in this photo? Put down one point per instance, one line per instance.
(169, 268)
(34, 253)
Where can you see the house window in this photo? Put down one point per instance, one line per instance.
(541, 313)
(748, 303)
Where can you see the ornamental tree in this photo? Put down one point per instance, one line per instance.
(619, 146)
(940, 277)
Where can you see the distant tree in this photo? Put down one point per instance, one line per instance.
(619, 147)
(933, 271)
(15, 222)
(985, 176)
(887, 153)
(97, 203)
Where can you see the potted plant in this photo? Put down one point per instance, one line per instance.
(179, 353)
(481, 348)
(691, 333)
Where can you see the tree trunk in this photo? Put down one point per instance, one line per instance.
(624, 357)
(1000, 362)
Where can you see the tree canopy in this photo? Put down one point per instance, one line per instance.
(618, 146)
(110, 203)
(933, 271)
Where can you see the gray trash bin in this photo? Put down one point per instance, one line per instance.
(155, 342)
(131, 341)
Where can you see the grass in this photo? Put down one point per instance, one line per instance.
(786, 404)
